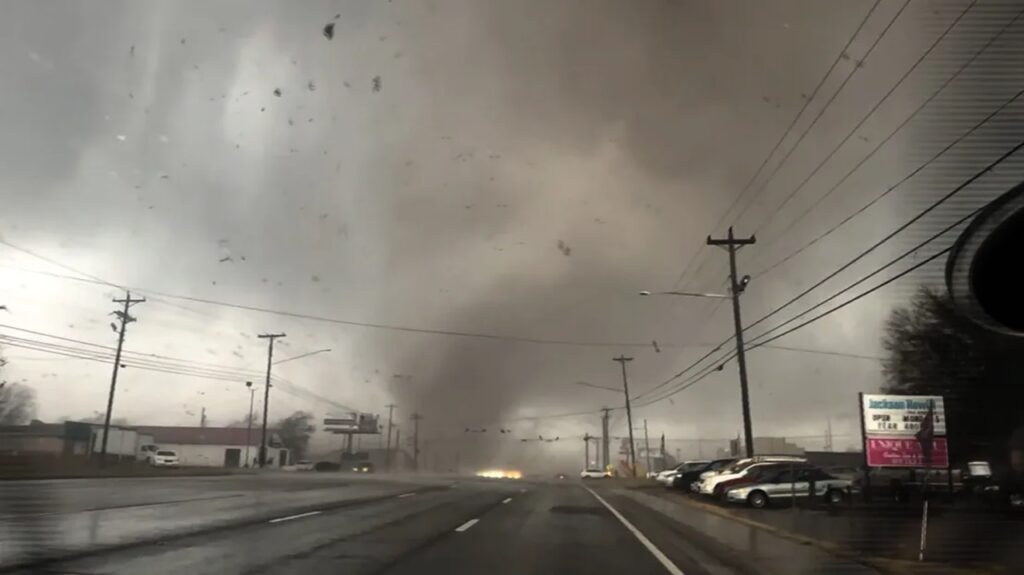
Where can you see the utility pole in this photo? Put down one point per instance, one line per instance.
(266, 393)
(387, 452)
(732, 244)
(647, 447)
(202, 417)
(416, 440)
(248, 431)
(605, 455)
(629, 413)
(128, 302)
(398, 435)
(828, 434)
(586, 450)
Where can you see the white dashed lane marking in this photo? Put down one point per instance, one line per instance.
(299, 516)
(406, 495)
(466, 525)
(507, 500)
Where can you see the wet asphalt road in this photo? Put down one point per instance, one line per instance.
(314, 524)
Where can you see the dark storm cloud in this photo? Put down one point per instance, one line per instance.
(516, 168)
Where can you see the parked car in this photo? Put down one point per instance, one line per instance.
(304, 465)
(688, 478)
(845, 472)
(146, 452)
(785, 484)
(327, 466)
(755, 473)
(707, 486)
(594, 474)
(164, 458)
(667, 477)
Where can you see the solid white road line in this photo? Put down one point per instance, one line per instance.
(507, 500)
(290, 517)
(661, 557)
(466, 525)
(406, 495)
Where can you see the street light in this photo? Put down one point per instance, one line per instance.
(687, 293)
(303, 355)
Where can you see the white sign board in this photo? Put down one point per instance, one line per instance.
(900, 415)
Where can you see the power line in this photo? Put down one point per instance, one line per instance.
(821, 112)
(782, 138)
(791, 225)
(708, 371)
(826, 352)
(893, 233)
(842, 268)
(874, 108)
(313, 317)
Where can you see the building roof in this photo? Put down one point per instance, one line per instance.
(207, 435)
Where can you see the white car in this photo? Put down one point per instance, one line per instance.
(741, 468)
(594, 474)
(304, 465)
(668, 476)
(164, 458)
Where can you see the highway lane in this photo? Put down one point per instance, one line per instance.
(367, 525)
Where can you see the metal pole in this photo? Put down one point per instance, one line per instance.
(266, 394)
(605, 455)
(864, 448)
(387, 451)
(586, 451)
(248, 431)
(629, 413)
(731, 244)
(416, 441)
(647, 447)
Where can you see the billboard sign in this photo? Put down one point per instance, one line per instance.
(900, 415)
(358, 423)
(904, 452)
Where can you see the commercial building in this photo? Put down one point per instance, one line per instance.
(69, 439)
(218, 446)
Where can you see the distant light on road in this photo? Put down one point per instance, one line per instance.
(500, 474)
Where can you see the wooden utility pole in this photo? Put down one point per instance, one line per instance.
(629, 413)
(732, 245)
(416, 440)
(266, 393)
(125, 318)
(387, 452)
(605, 453)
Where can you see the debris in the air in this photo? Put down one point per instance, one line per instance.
(164, 177)
(113, 327)
(502, 205)
(311, 86)
(315, 278)
(277, 92)
(122, 137)
(656, 348)
(336, 16)
(214, 282)
(346, 84)
(564, 248)
(131, 51)
(291, 122)
(226, 259)
(376, 84)
(4, 308)
(182, 41)
(263, 280)
(329, 30)
(263, 109)
(469, 206)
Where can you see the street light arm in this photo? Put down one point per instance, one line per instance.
(687, 293)
(599, 386)
(303, 355)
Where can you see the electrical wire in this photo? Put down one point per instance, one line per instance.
(782, 138)
(884, 141)
(842, 268)
(873, 109)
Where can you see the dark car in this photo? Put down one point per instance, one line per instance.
(326, 466)
(686, 478)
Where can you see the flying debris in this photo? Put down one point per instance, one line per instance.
(656, 348)
(564, 248)
(277, 92)
(225, 259)
(329, 31)
(113, 327)
(376, 84)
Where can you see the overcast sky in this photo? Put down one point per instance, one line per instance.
(508, 168)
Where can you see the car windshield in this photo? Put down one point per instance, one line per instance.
(383, 270)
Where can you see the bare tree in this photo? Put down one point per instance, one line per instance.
(17, 404)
